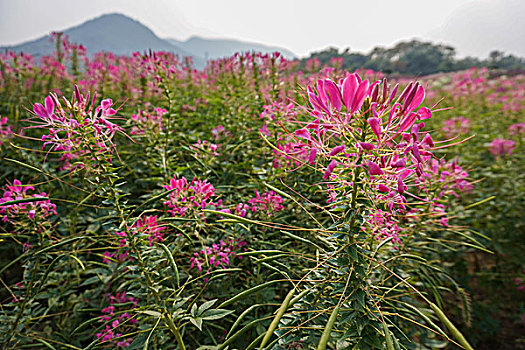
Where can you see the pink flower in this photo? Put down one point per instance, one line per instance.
(148, 225)
(383, 188)
(454, 126)
(366, 146)
(516, 129)
(40, 208)
(333, 94)
(374, 169)
(47, 112)
(268, 202)
(189, 197)
(336, 150)
(354, 92)
(329, 169)
(424, 113)
(5, 130)
(501, 147)
(218, 255)
(303, 133)
(76, 128)
(412, 97)
(119, 322)
(375, 126)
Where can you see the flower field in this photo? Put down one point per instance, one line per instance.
(257, 205)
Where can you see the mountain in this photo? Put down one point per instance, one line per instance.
(112, 32)
(122, 35)
(217, 48)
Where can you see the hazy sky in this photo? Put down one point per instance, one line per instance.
(474, 27)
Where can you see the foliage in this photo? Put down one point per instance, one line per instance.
(413, 58)
(251, 204)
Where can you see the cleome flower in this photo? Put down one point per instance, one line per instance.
(218, 255)
(363, 131)
(117, 321)
(501, 147)
(35, 209)
(188, 198)
(79, 129)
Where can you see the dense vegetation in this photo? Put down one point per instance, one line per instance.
(413, 58)
(255, 204)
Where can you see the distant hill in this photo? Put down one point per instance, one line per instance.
(112, 32)
(122, 35)
(217, 48)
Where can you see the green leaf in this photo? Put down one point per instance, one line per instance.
(26, 200)
(247, 292)
(172, 262)
(137, 343)
(152, 313)
(193, 311)
(197, 322)
(90, 280)
(215, 314)
(205, 306)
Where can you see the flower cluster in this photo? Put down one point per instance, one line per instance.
(383, 226)
(269, 203)
(290, 153)
(5, 130)
(118, 322)
(149, 226)
(40, 209)
(147, 121)
(219, 132)
(516, 129)
(501, 147)
(218, 255)
(79, 129)
(452, 177)
(454, 126)
(365, 133)
(189, 197)
(145, 226)
(279, 111)
(205, 149)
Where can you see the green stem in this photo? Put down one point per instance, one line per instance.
(355, 179)
(175, 330)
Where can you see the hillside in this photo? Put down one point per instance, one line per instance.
(112, 32)
(216, 48)
(123, 35)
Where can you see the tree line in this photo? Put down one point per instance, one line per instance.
(414, 58)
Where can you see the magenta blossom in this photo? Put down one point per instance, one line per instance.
(455, 126)
(5, 130)
(149, 226)
(118, 321)
(190, 197)
(81, 128)
(501, 147)
(218, 255)
(40, 209)
(268, 202)
(517, 129)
